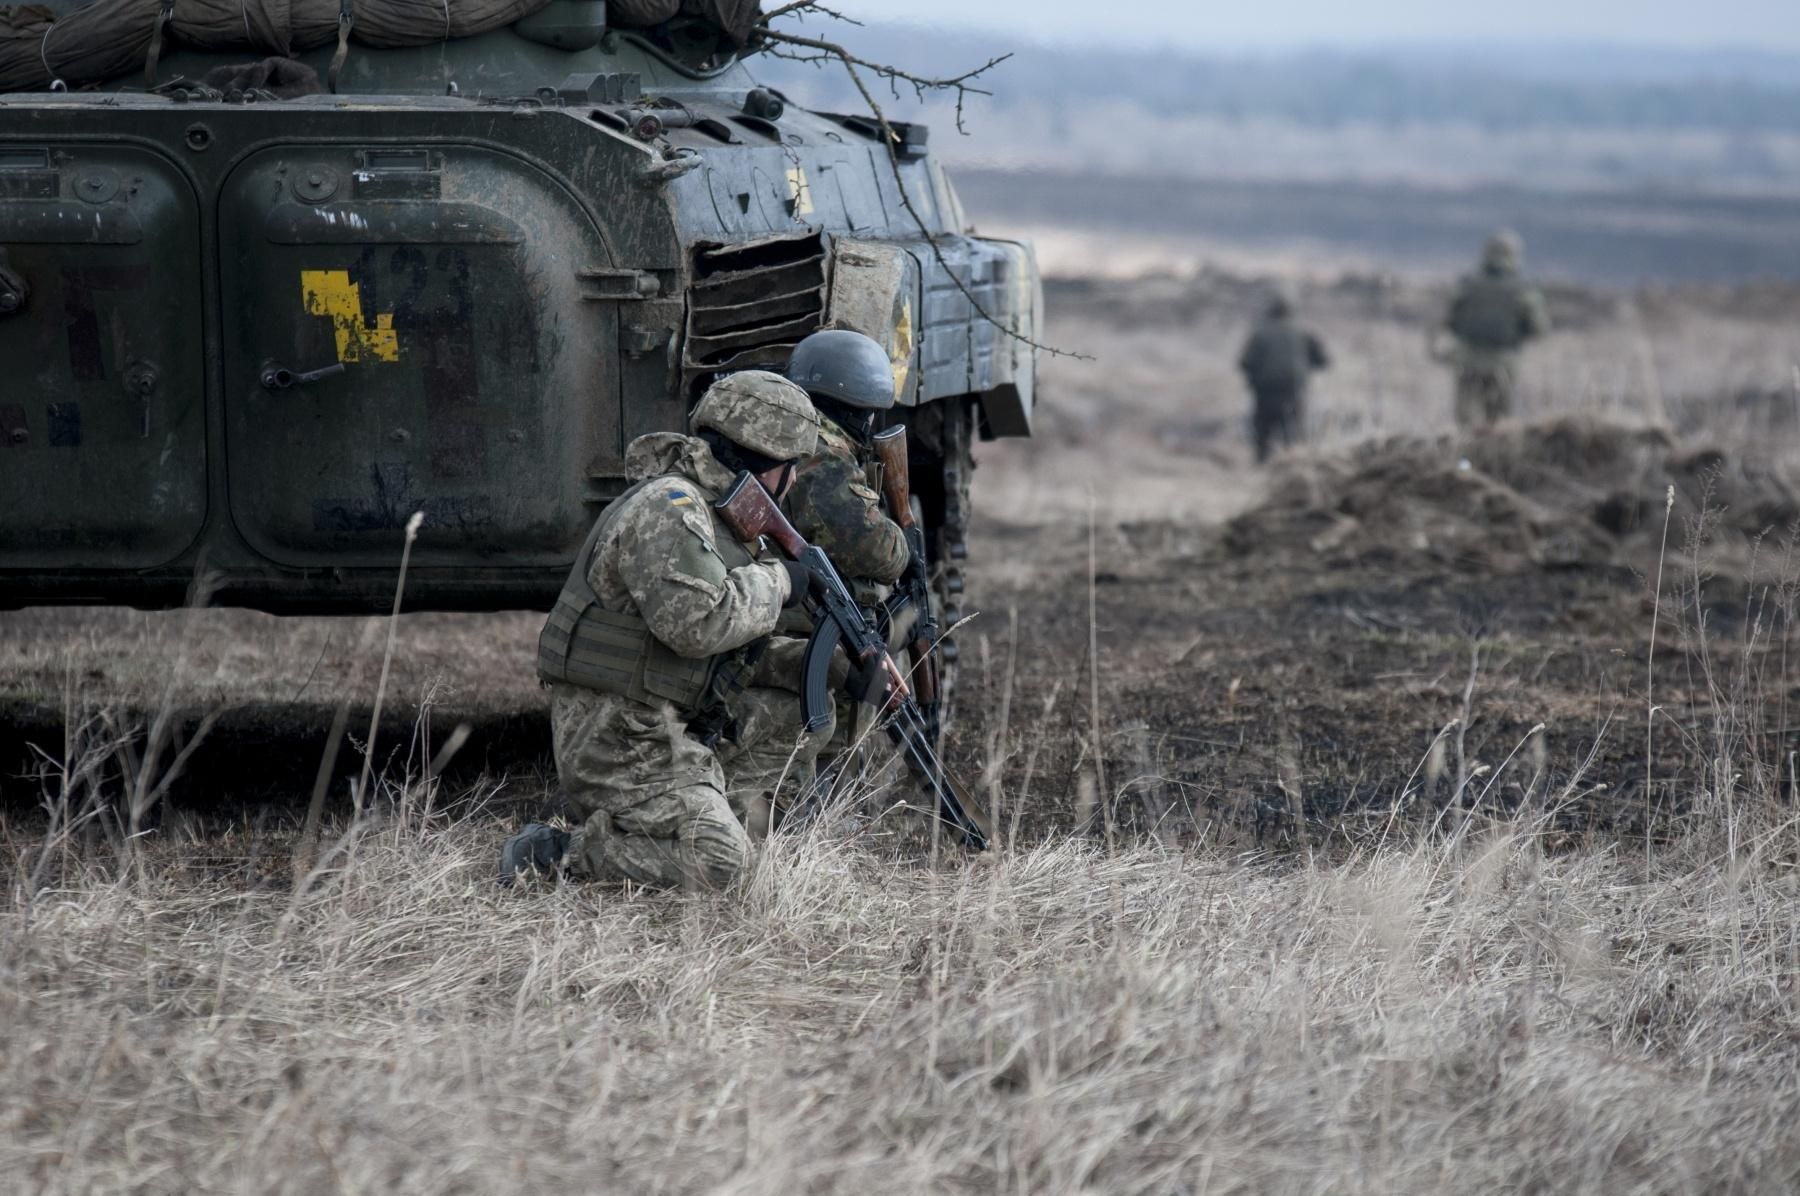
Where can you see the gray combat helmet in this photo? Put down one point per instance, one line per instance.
(845, 367)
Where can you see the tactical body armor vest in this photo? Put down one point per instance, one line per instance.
(614, 652)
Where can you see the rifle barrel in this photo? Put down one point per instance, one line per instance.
(955, 806)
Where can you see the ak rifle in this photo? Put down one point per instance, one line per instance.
(751, 513)
(914, 588)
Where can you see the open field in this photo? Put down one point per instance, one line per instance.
(1345, 853)
(1614, 236)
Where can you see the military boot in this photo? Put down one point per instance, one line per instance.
(537, 848)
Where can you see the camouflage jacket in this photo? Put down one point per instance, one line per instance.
(1496, 312)
(1280, 354)
(834, 507)
(670, 560)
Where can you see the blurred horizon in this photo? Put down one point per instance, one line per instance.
(1558, 116)
(1280, 25)
(1629, 162)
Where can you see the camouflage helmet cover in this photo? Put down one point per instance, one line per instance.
(837, 363)
(761, 411)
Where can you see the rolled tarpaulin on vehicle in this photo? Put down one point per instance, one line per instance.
(262, 26)
(313, 23)
(420, 22)
(109, 39)
(640, 14)
(92, 44)
(735, 18)
(22, 29)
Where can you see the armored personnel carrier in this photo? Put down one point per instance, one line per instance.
(244, 338)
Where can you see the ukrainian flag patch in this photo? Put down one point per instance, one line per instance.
(680, 498)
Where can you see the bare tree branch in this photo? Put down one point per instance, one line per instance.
(823, 51)
(802, 8)
(922, 85)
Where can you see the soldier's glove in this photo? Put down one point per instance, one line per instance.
(799, 581)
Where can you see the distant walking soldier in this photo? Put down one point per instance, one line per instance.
(1493, 314)
(1278, 360)
(665, 722)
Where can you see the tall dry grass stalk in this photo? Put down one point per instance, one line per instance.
(1650, 672)
(1096, 742)
(387, 659)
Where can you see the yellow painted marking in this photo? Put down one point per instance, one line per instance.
(901, 352)
(331, 293)
(799, 191)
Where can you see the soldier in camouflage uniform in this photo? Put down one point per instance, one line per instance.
(1278, 360)
(1491, 317)
(836, 501)
(653, 657)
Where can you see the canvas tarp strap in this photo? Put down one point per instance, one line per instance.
(346, 20)
(163, 15)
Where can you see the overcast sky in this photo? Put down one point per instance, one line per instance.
(1229, 24)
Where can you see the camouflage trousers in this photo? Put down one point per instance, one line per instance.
(657, 806)
(772, 760)
(1484, 388)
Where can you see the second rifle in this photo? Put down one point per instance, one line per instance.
(751, 514)
(914, 589)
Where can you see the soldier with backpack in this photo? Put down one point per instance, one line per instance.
(1492, 315)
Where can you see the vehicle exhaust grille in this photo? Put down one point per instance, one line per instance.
(752, 302)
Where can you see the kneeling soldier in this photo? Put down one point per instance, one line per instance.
(651, 655)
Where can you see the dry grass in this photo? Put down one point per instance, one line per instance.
(212, 659)
(1468, 1015)
(1475, 1008)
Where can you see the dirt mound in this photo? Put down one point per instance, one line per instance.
(1572, 493)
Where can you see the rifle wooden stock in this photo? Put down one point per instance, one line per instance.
(750, 512)
(896, 480)
(896, 486)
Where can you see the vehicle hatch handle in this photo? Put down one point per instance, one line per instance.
(275, 376)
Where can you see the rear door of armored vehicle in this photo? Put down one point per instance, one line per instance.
(102, 378)
(405, 330)
(236, 332)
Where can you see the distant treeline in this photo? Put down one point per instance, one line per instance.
(1499, 88)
